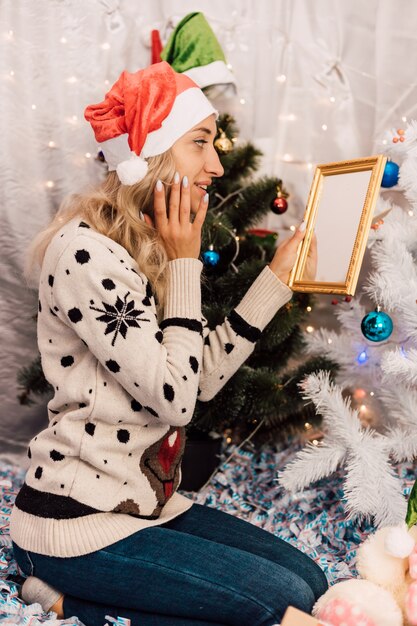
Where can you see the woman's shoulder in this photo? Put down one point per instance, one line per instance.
(79, 234)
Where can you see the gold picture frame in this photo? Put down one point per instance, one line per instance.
(339, 210)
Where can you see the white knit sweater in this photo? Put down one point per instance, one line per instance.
(125, 386)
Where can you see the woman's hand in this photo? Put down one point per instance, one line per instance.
(286, 254)
(181, 237)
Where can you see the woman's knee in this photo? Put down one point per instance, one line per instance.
(299, 594)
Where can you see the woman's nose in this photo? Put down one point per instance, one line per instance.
(213, 164)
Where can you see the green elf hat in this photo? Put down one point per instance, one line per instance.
(194, 50)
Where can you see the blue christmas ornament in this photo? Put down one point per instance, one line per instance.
(210, 257)
(376, 325)
(390, 177)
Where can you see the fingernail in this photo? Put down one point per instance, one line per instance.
(176, 178)
(185, 181)
(158, 185)
(302, 227)
(206, 198)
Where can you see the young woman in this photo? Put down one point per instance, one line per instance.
(125, 346)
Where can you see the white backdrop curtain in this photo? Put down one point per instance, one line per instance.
(318, 80)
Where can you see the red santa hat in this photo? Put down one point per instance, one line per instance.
(143, 115)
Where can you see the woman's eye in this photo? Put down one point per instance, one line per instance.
(200, 142)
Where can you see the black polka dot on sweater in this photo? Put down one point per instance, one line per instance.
(221, 377)
(207, 341)
(56, 456)
(113, 366)
(105, 462)
(67, 361)
(136, 406)
(38, 472)
(54, 423)
(56, 308)
(90, 428)
(52, 313)
(159, 336)
(90, 391)
(105, 384)
(108, 284)
(83, 225)
(67, 271)
(194, 364)
(81, 405)
(82, 256)
(228, 347)
(151, 411)
(39, 307)
(183, 410)
(62, 486)
(169, 392)
(136, 384)
(29, 453)
(75, 315)
(50, 340)
(123, 435)
(130, 454)
(185, 378)
(50, 280)
(97, 475)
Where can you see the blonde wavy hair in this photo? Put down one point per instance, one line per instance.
(113, 210)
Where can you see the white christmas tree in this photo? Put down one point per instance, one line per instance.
(383, 374)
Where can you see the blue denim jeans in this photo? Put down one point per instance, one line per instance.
(204, 567)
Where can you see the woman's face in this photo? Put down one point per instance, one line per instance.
(196, 157)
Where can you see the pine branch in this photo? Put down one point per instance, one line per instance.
(252, 204)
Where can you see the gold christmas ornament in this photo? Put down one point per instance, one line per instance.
(223, 144)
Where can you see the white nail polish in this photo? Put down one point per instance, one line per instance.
(176, 178)
(185, 182)
(302, 227)
(206, 198)
(159, 185)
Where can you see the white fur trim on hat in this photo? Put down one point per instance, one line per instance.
(190, 107)
(132, 171)
(214, 73)
(116, 150)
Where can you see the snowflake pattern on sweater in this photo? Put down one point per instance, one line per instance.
(126, 382)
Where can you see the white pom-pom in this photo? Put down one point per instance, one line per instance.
(132, 171)
(399, 542)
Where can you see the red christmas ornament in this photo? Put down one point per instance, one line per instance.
(279, 206)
